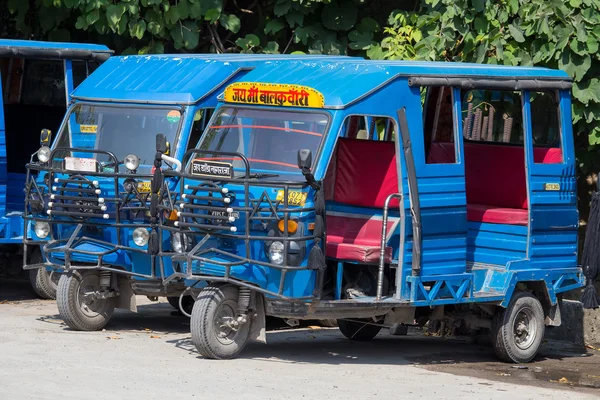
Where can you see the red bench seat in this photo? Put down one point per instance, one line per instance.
(362, 174)
(495, 179)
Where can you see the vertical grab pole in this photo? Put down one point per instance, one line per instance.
(386, 206)
(413, 189)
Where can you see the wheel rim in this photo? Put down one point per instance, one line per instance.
(524, 328)
(88, 304)
(226, 330)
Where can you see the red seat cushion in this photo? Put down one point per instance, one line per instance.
(496, 215)
(354, 238)
(495, 178)
(363, 173)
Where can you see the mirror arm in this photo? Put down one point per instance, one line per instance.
(310, 178)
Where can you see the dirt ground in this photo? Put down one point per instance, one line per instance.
(149, 355)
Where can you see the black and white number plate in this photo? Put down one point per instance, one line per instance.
(234, 214)
(211, 169)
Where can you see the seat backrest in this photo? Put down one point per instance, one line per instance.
(495, 174)
(362, 173)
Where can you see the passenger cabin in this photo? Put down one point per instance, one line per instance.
(482, 156)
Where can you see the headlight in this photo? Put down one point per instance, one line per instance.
(132, 162)
(179, 242)
(276, 253)
(141, 236)
(43, 154)
(41, 229)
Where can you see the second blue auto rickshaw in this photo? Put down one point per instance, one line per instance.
(378, 194)
(88, 195)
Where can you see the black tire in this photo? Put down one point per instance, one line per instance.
(74, 309)
(187, 302)
(212, 341)
(44, 283)
(358, 330)
(518, 330)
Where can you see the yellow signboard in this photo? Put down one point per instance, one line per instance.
(88, 128)
(295, 198)
(144, 187)
(552, 186)
(273, 94)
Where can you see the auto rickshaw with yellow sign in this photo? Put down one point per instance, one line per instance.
(380, 193)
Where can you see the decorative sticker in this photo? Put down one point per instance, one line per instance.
(295, 197)
(173, 116)
(88, 128)
(552, 186)
(144, 187)
(273, 94)
(211, 169)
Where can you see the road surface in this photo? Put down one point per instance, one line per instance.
(149, 355)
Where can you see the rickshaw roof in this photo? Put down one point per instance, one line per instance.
(342, 82)
(53, 50)
(169, 79)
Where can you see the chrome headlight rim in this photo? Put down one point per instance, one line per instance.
(131, 162)
(275, 252)
(140, 236)
(41, 229)
(43, 154)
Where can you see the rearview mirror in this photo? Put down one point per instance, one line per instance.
(304, 159)
(161, 144)
(45, 137)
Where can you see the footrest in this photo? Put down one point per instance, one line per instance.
(440, 289)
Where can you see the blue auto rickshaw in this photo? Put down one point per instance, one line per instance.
(36, 79)
(380, 193)
(88, 196)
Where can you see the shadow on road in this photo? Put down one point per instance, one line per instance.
(16, 289)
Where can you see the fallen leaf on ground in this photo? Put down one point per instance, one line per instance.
(114, 337)
(154, 337)
(589, 346)
(561, 380)
(503, 374)
(314, 327)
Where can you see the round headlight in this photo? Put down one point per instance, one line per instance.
(43, 154)
(41, 229)
(180, 242)
(141, 236)
(132, 162)
(276, 253)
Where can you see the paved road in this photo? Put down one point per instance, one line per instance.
(149, 356)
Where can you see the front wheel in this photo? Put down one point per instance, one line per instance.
(518, 330)
(360, 329)
(78, 304)
(216, 330)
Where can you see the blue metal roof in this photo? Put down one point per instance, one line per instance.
(168, 79)
(343, 82)
(59, 50)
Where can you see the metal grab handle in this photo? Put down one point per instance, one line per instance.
(386, 206)
(172, 161)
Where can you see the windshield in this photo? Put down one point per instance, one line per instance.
(270, 139)
(120, 130)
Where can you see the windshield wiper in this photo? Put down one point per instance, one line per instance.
(259, 176)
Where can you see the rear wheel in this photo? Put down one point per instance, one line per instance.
(359, 329)
(44, 282)
(77, 304)
(518, 330)
(214, 327)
